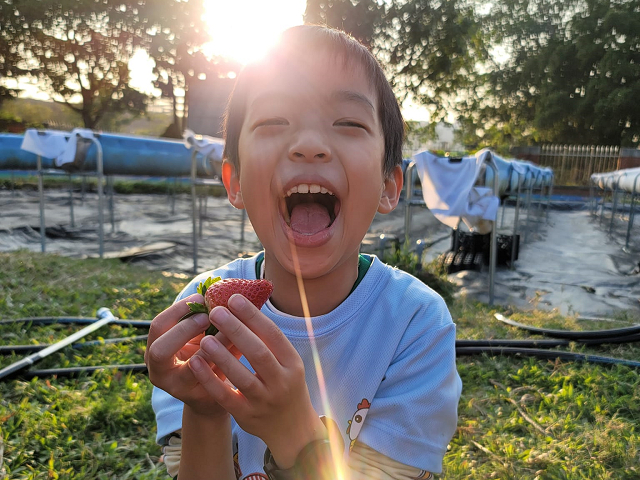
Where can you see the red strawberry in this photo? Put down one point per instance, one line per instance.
(216, 293)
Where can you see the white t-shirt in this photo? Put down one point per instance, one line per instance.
(387, 355)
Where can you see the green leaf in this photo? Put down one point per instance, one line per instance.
(194, 307)
(202, 287)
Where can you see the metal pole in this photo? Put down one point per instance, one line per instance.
(494, 233)
(100, 170)
(194, 212)
(552, 180)
(631, 211)
(73, 223)
(614, 207)
(41, 195)
(104, 317)
(539, 206)
(111, 203)
(604, 198)
(407, 200)
(529, 192)
(504, 207)
(515, 225)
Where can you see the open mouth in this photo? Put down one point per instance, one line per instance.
(310, 209)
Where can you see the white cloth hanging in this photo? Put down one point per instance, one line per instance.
(58, 145)
(449, 192)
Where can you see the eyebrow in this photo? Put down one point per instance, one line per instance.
(351, 96)
(339, 96)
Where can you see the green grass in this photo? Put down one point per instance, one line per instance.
(121, 185)
(519, 418)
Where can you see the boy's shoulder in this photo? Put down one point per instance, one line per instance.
(403, 293)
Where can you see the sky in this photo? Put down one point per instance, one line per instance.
(241, 29)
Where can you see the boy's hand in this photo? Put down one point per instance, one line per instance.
(273, 403)
(172, 346)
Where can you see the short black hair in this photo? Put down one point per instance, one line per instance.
(306, 39)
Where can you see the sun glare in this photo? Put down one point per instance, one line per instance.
(244, 29)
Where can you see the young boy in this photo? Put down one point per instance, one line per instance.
(349, 370)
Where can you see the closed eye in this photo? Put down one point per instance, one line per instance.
(350, 123)
(269, 122)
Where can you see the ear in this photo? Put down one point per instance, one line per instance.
(391, 188)
(232, 184)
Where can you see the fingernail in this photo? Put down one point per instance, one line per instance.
(218, 314)
(237, 301)
(201, 320)
(209, 344)
(196, 363)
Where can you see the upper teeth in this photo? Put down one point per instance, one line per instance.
(307, 188)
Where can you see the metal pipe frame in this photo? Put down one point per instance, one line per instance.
(99, 172)
(592, 196)
(614, 203)
(194, 216)
(515, 224)
(632, 214)
(594, 188)
(528, 203)
(550, 194)
(410, 201)
(493, 248)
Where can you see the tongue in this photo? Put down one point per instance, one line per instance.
(309, 218)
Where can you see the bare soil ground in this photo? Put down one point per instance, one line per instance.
(568, 262)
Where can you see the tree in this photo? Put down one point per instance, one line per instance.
(179, 59)
(429, 48)
(80, 49)
(11, 34)
(573, 75)
(362, 19)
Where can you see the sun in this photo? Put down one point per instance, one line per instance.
(244, 29)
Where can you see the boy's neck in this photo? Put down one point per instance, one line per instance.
(323, 294)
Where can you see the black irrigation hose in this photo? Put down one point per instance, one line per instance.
(549, 354)
(75, 321)
(546, 343)
(9, 349)
(569, 335)
(527, 348)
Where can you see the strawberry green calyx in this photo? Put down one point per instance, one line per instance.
(203, 286)
(196, 307)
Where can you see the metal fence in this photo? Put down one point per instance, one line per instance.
(574, 164)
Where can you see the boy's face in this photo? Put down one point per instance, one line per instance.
(311, 151)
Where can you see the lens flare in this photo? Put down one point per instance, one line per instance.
(336, 454)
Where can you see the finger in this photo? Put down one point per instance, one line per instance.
(169, 317)
(254, 349)
(263, 327)
(243, 379)
(227, 397)
(169, 344)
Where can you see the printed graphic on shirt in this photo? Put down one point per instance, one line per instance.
(355, 424)
(256, 476)
(236, 464)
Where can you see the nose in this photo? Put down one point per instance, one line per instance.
(309, 146)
